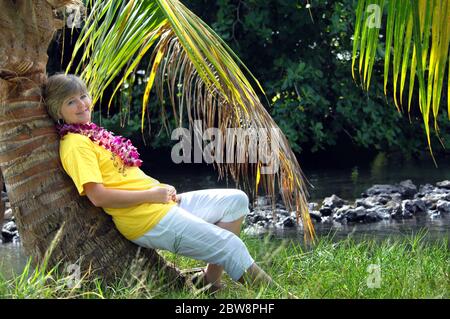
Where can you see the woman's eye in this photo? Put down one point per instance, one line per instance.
(84, 96)
(70, 102)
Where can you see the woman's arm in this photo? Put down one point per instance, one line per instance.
(101, 196)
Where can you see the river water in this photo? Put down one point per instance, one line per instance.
(346, 182)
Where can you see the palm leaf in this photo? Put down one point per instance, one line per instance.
(420, 25)
(389, 34)
(201, 76)
(356, 35)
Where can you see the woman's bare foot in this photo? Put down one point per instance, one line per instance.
(199, 281)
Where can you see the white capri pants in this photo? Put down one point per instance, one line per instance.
(188, 229)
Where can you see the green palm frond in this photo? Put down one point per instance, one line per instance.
(202, 77)
(418, 37)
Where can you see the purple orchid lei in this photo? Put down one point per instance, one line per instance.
(118, 145)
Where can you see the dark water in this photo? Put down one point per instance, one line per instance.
(12, 259)
(346, 182)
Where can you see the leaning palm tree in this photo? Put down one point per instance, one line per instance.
(417, 43)
(185, 53)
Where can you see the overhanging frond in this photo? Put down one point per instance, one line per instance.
(417, 40)
(201, 75)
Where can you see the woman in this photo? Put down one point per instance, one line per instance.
(202, 224)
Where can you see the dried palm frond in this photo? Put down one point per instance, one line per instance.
(201, 75)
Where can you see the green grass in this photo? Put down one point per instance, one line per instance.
(409, 268)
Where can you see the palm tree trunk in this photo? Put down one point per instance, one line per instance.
(43, 198)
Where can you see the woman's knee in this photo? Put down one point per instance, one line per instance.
(237, 208)
(242, 200)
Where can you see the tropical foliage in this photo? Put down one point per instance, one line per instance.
(305, 72)
(417, 44)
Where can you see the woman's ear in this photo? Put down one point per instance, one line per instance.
(60, 117)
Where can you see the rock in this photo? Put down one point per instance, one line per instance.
(425, 189)
(9, 232)
(405, 188)
(341, 211)
(443, 207)
(349, 214)
(396, 197)
(255, 218)
(326, 211)
(315, 215)
(395, 209)
(368, 202)
(262, 201)
(281, 212)
(262, 224)
(357, 214)
(10, 226)
(327, 219)
(431, 199)
(435, 214)
(430, 189)
(384, 199)
(8, 215)
(444, 184)
(330, 204)
(339, 214)
(381, 189)
(8, 236)
(288, 222)
(381, 212)
(372, 217)
(333, 202)
(313, 206)
(408, 189)
(413, 207)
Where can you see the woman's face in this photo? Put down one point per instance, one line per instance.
(76, 109)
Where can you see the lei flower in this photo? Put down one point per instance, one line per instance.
(118, 145)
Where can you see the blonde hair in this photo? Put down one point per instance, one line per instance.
(57, 88)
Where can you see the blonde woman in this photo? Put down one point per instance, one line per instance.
(203, 224)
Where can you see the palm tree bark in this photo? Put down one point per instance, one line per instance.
(43, 198)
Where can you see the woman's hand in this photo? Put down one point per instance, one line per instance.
(173, 193)
(160, 194)
(164, 194)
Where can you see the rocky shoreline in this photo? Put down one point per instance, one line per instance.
(380, 202)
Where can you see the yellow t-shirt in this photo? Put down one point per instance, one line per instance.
(85, 161)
